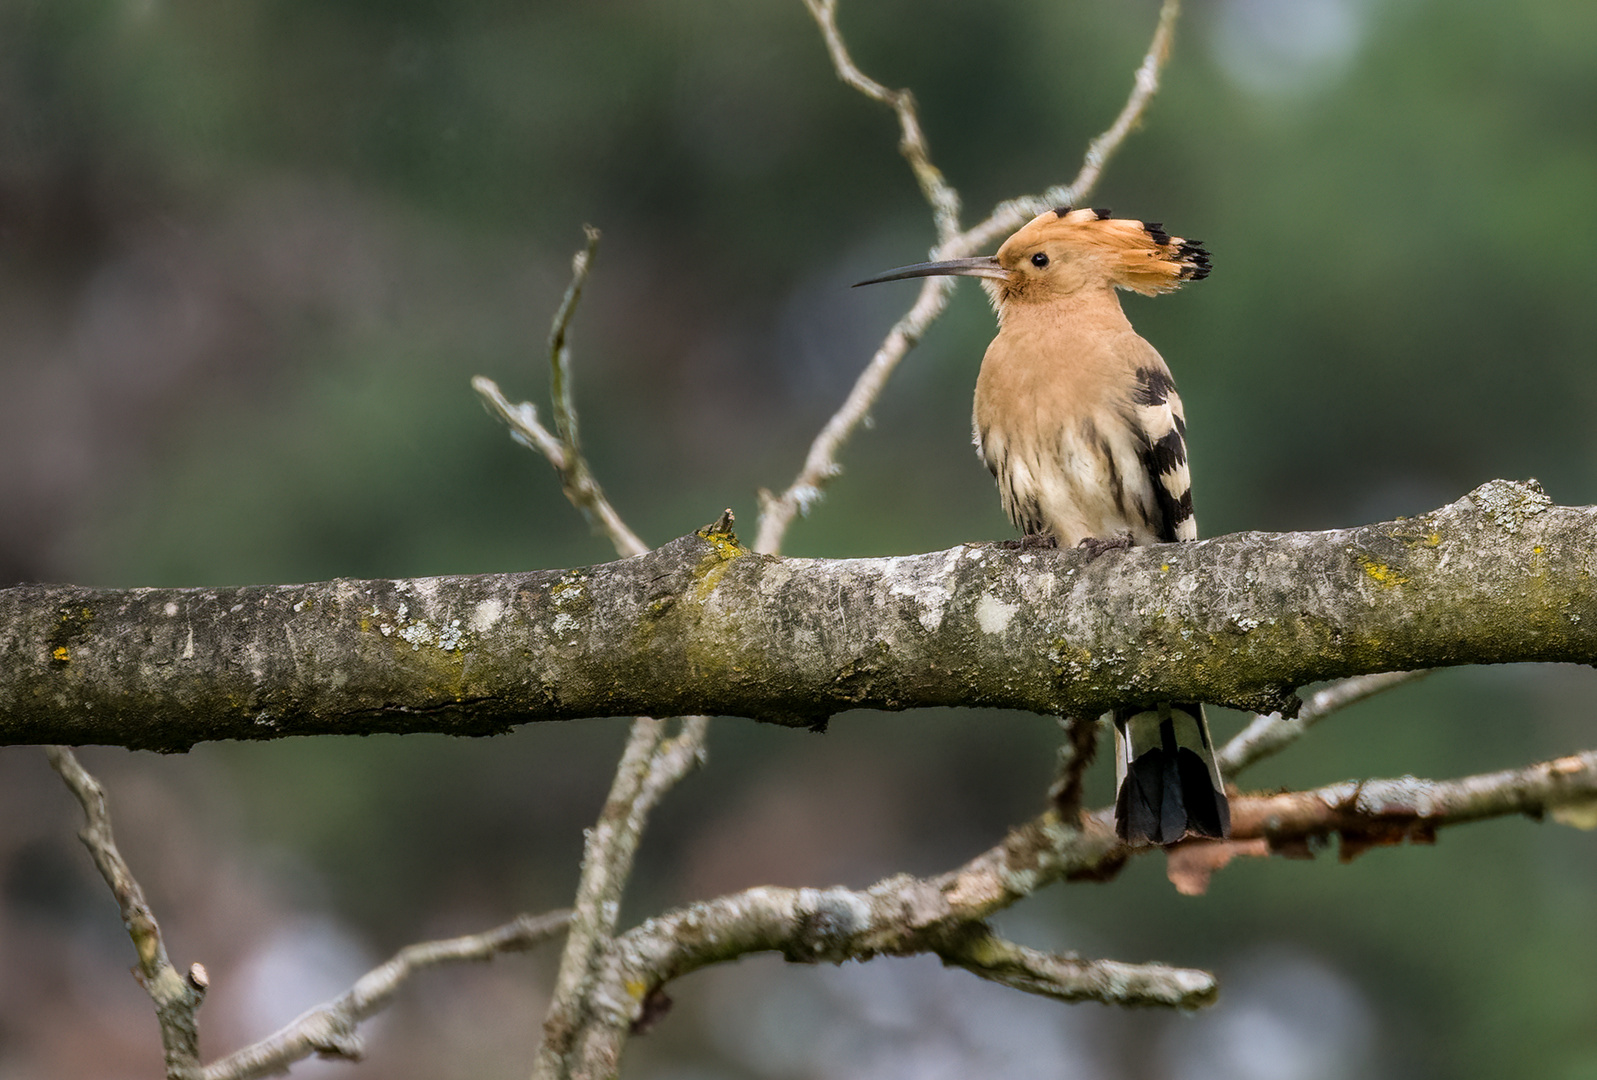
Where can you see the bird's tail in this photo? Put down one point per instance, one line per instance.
(1168, 785)
(1136, 255)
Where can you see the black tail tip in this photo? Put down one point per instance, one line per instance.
(1167, 797)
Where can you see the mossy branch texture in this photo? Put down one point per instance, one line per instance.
(703, 626)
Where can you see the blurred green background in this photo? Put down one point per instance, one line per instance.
(250, 255)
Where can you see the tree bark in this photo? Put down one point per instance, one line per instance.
(702, 625)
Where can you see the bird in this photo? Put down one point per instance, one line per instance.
(1078, 419)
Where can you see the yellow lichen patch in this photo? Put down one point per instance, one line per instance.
(725, 543)
(636, 989)
(1433, 539)
(726, 549)
(1384, 574)
(61, 654)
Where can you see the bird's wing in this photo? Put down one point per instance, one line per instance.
(1162, 426)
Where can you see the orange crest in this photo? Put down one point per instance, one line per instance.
(1134, 255)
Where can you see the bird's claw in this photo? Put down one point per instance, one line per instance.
(1095, 546)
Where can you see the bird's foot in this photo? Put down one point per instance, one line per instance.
(1031, 542)
(1095, 546)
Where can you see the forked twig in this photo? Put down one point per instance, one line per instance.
(1013, 213)
(329, 1030)
(943, 198)
(177, 998)
(562, 447)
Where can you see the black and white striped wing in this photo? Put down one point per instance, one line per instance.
(1162, 427)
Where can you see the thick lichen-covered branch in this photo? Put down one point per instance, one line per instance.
(703, 626)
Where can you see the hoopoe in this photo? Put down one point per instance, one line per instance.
(1079, 421)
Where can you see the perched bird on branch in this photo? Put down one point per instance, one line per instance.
(1079, 421)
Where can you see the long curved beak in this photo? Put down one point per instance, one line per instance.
(982, 266)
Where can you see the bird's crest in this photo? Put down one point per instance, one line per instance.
(1135, 255)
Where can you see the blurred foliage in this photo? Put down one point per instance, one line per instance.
(251, 253)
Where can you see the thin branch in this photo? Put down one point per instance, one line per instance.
(562, 447)
(177, 998)
(674, 758)
(943, 198)
(777, 511)
(1067, 977)
(1373, 813)
(1270, 734)
(1075, 754)
(1010, 215)
(565, 410)
(330, 1030)
(525, 427)
(607, 856)
(650, 766)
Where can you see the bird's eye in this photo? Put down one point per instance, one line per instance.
(1039, 260)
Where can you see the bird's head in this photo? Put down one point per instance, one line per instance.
(1061, 252)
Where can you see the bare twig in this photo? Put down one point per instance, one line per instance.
(777, 511)
(1075, 754)
(606, 865)
(1372, 813)
(1066, 977)
(1270, 734)
(1010, 215)
(177, 998)
(944, 199)
(562, 447)
(525, 427)
(650, 766)
(565, 411)
(330, 1030)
